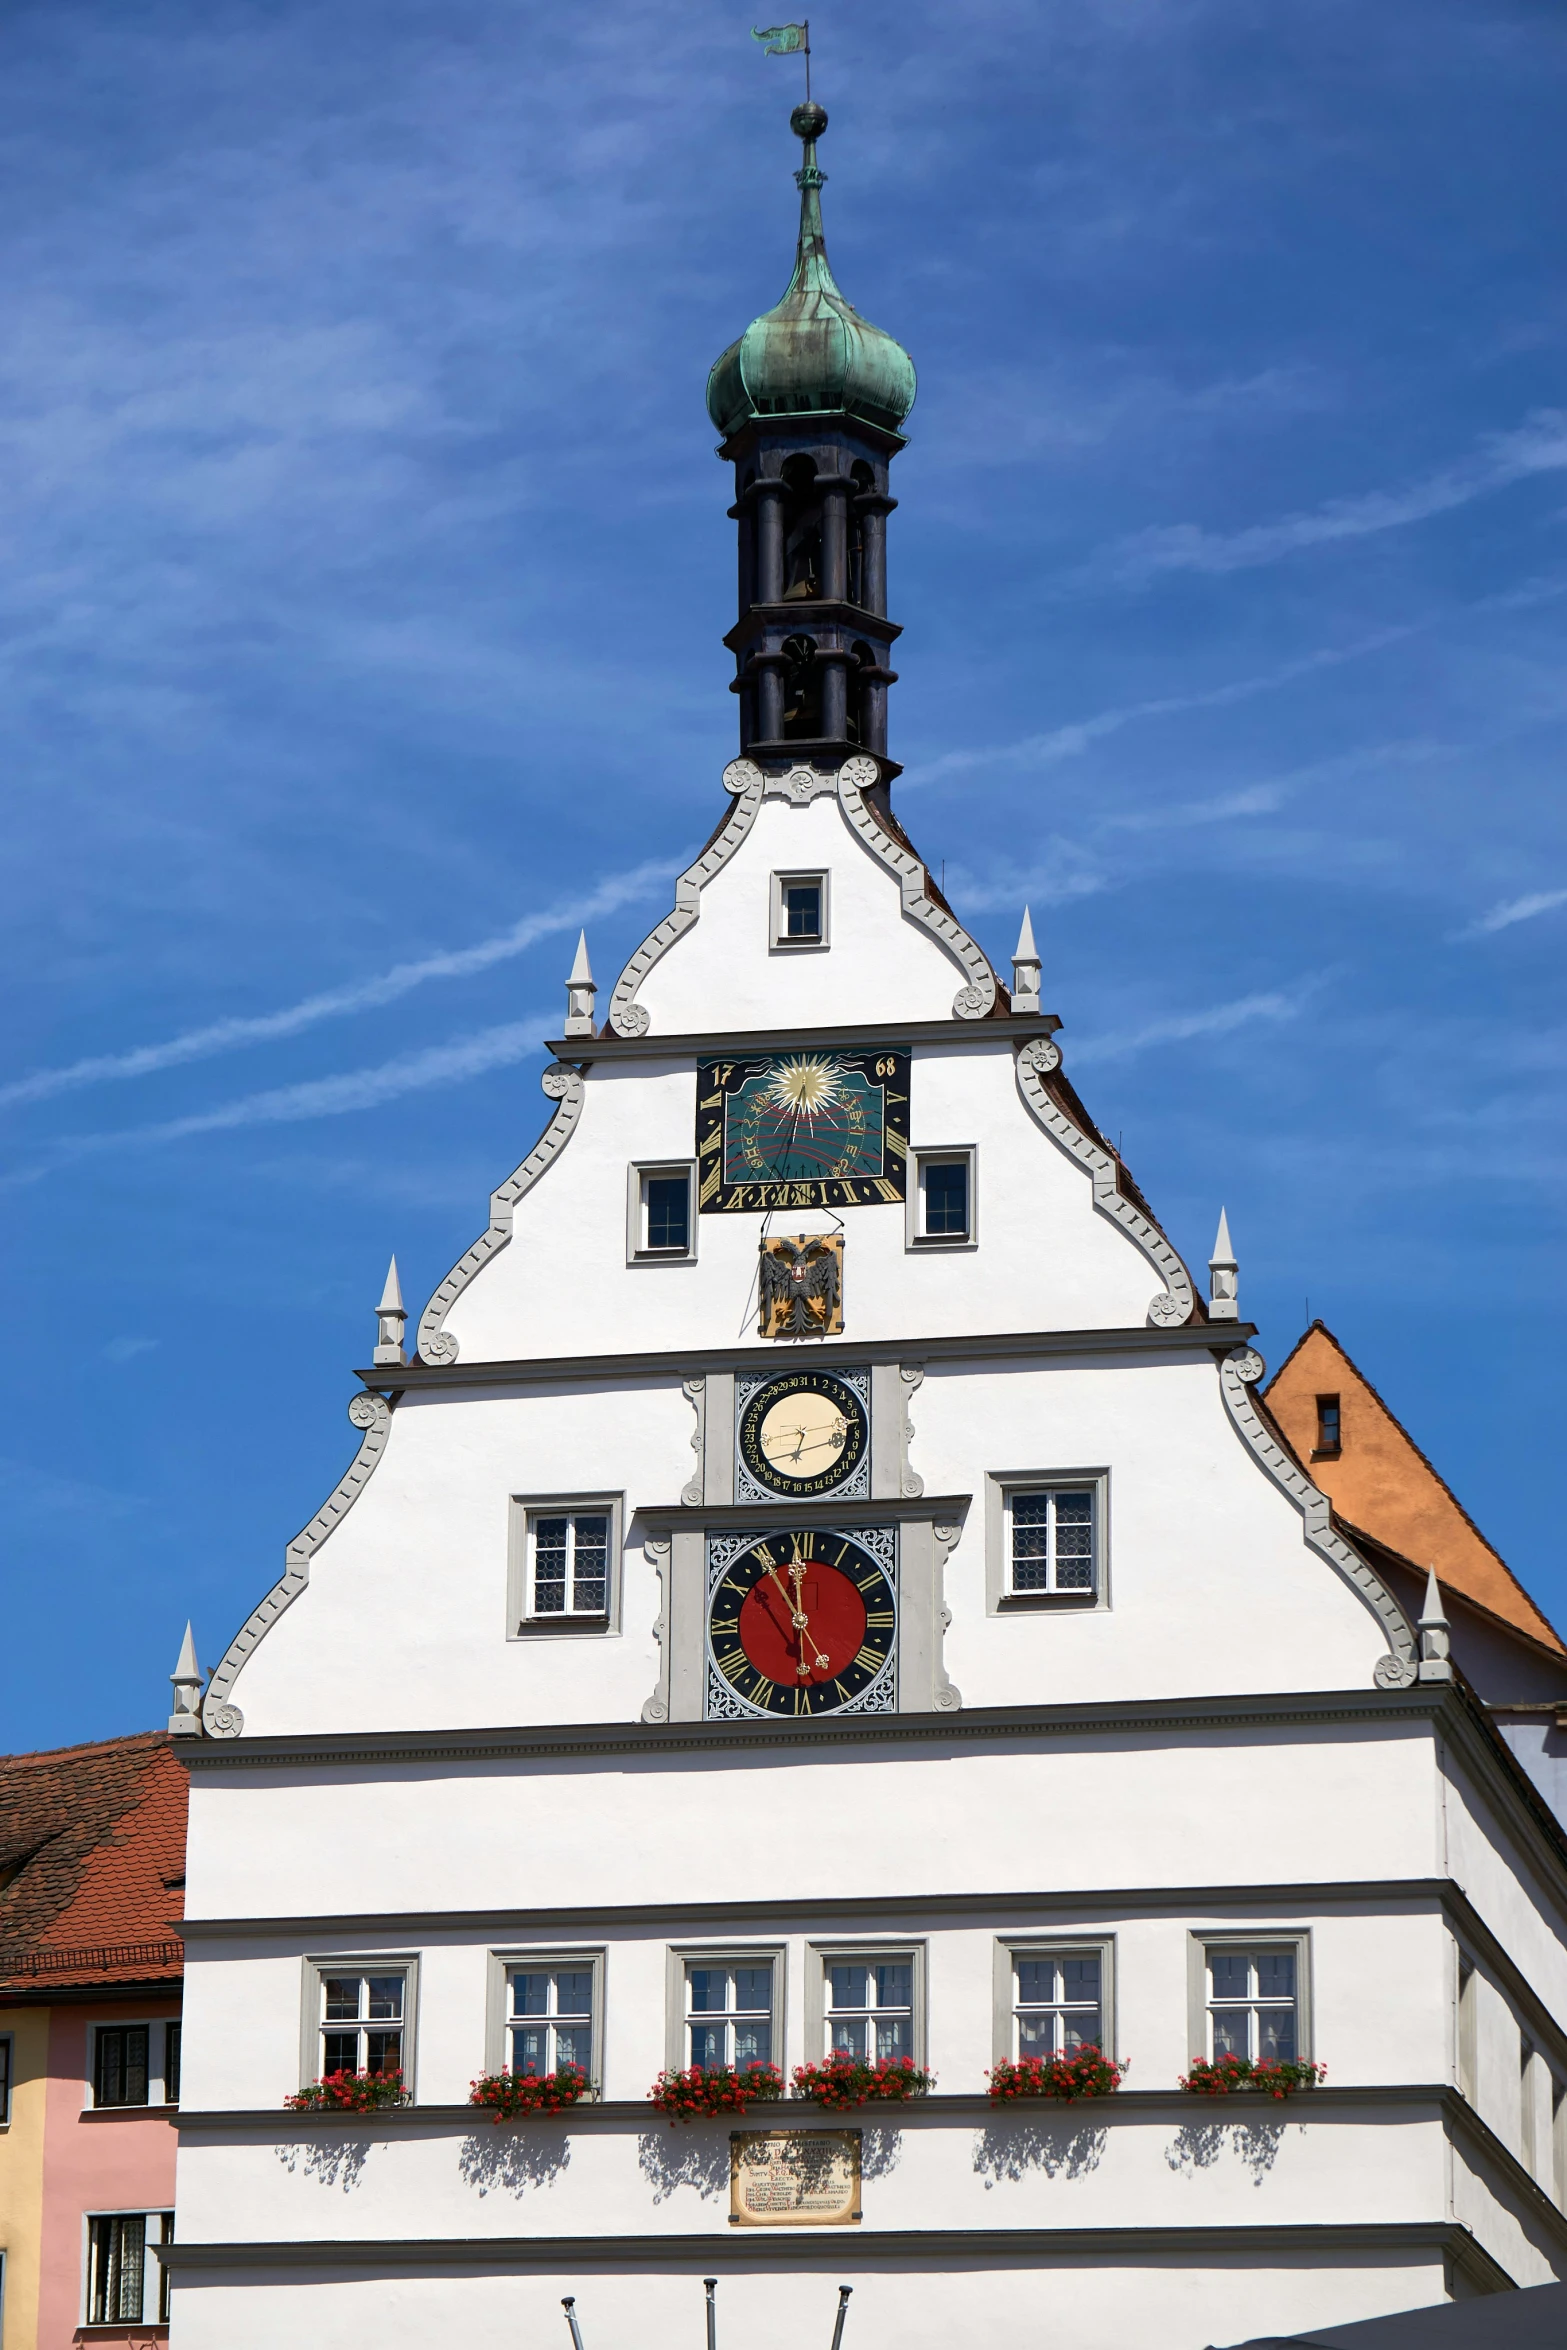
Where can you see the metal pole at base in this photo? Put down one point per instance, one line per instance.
(569, 2304)
(843, 2310)
(710, 2286)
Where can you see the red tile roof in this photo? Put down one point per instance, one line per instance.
(92, 1865)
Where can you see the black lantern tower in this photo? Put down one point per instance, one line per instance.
(810, 401)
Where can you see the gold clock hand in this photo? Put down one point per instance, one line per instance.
(797, 1577)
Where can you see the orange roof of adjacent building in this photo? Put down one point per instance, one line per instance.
(92, 1865)
(1381, 1482)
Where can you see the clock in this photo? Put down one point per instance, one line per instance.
(800, 1623)
(812, 1128)
(803, 1433)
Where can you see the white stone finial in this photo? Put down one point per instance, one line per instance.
(1224, 1303)
(1025, 969)
(1436, 1642)
(390, 1315)
(187, 1677)
(580, 991)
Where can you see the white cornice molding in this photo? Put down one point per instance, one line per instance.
(1174, 1303)
(564, 1086)
(1239, 1373)
(372, 1414)
(975, 1000)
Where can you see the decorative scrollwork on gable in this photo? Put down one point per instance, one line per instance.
(744, 780)
(1173, 1305)
(372, 1415)
(977, 999)
(563, 1085)
(1240, 1371)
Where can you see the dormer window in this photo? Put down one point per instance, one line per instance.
(799, 909)
(1328, 1446)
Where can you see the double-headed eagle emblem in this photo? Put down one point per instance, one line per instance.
(802, 1286)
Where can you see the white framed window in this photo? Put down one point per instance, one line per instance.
(126, 2282)
(1253, 1994)
(359, 2017)
(727, 2008)
(1047, 1539)
(940, 1211)
(868, 2000)
(799, 914)
(564, 1571)
(135, 2063)
(1057, 1998)
(552, 2007)
(661, 1218)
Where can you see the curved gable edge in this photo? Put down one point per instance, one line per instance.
(975, 1000)
(1239, 1373)
(220, 1717)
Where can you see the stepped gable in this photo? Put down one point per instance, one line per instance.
(1380, 1482)
(92, 1865)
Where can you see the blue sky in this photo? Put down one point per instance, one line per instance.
(361, 585)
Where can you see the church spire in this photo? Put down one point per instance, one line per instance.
(810, 400)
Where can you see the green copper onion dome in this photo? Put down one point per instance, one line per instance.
(812, 354)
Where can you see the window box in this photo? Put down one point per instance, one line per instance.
(1047, 1542)
(509, 2096)
(702, 2091)
(1250, 2008)
(1271, 2077)
(563, 1572)
(843, 2080)
(358, 2029)
(1086, 2072)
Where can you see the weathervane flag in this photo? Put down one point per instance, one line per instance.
(783, 40)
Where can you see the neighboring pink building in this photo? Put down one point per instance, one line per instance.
(92, 1877)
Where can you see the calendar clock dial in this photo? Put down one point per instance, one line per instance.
(802, 1623)
(809, 1128)
(803, 1434)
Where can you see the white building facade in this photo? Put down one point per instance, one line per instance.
(968, 1668)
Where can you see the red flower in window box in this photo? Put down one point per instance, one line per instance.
(713, 2089)
(843, 2080)
(344, 2092)
(506, 2095)
(1083, 2072)
(1275, 2076)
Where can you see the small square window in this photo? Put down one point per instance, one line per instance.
(799, 910)
(941, 1199)
(564, 1573)
(1328, 1428)
(661, 1213)
(1047, 1540)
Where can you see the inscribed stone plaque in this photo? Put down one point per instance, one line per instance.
(794, 2178)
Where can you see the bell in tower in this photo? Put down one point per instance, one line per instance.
(809, 401)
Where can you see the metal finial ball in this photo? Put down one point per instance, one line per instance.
(808, 121)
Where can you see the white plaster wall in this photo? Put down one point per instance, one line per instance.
(724, 973)
(594, 1832)
(1397, 2030)
(1212, 1588)
(763, 2304)
(1501, 1878)
(1046, 1258)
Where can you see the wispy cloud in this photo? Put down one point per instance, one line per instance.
(1069, 741)
(1538, 445)
(224, 1036)
(1511, 910)
(1217, 1020)
(319, 1097)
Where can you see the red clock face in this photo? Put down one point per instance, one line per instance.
(802, 1623)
